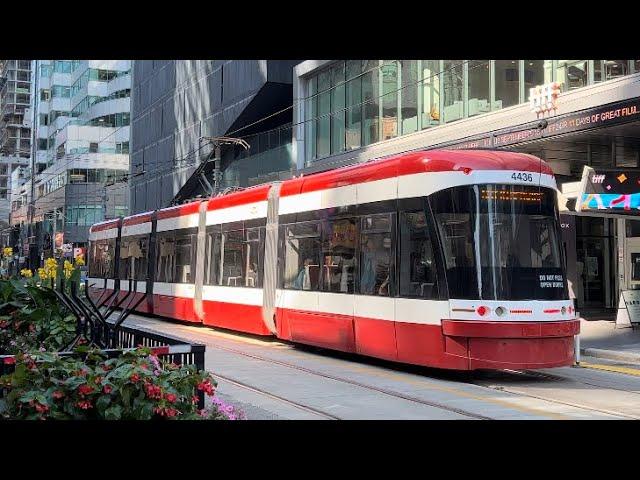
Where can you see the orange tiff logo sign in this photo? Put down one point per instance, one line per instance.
(544, 98)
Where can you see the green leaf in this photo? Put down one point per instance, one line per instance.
(114, 412)
(102, 403)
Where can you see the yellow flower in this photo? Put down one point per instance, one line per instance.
(51, 267)
(26, 273)
(42, 273)
(80, 260)
(68, 268)
(7, 252)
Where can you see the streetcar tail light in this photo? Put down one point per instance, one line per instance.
(482, 310)
(466, 170)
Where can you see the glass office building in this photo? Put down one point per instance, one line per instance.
(359, 110)
(354, 103)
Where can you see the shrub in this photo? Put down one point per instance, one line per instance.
(32, 318)
(135, 386)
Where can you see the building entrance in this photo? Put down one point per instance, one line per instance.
(595, 263)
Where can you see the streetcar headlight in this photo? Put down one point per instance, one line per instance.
(563, 310)
(500, 311)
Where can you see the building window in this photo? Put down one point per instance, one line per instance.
(353, 89)
(323, 120)
(389, 98)
(370, 102)
(93, 147)
(572, 74)
(409, 96)
(452, 86)
(45, 71)
(479, 87)
(604, 70)
(507, 73)
(337, 108)
(311, 104)
(430, 93)
(45, 94)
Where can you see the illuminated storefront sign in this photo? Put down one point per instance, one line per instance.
(607, 115)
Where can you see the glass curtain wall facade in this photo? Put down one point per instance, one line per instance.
(355, 103)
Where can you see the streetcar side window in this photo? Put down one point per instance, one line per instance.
(165, 257)
(375, 266)
(101, 258)
(339, 238)
(254, 254)
(418, 275)
(232, 259)
(185, 257)
(212, 256)
(133, 257)
(302, 256)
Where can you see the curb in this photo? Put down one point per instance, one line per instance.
(627, 357)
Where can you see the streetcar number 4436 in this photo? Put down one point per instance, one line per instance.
(523, 177)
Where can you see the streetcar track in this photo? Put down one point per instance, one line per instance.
(553, 400)
(384, 391)
(305, 408)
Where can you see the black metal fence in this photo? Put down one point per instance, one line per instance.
(113, 338)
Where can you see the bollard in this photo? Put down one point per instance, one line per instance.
(576, 348)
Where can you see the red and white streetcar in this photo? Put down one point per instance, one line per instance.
(449, 259)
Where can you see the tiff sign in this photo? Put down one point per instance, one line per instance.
(544, 98)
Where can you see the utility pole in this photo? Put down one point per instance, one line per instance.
(33, 256)
(217, 143)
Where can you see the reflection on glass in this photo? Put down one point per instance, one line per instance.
(389, 94)
(409, 96)
(507, 85)
(452, 86)
(430, 93)
(479, 87)
(354, 109)
(572, 74)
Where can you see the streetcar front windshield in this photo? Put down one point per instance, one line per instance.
(500, 242)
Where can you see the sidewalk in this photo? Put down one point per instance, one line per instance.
(601, 339)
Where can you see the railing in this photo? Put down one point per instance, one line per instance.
(112, 338)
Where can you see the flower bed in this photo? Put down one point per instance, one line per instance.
(136, 385)
(87, 383)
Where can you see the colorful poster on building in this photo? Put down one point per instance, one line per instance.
(59, 239)
(616, 190)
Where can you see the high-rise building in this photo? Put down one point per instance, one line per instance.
(178, 105)
(15, 129)
(81, 117)
(15, 100)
